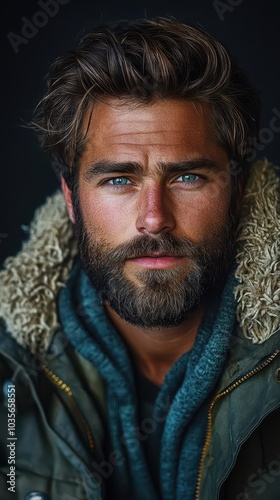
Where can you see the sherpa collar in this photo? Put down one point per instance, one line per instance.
(31, 280)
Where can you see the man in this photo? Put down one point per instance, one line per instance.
(145, 365)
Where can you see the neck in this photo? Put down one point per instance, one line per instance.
(156, 350)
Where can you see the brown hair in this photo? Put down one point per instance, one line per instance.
(145, 60)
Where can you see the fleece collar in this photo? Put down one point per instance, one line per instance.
(31, 280)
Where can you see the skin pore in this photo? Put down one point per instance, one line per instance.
(153, 169)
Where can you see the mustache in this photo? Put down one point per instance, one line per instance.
(144, 245)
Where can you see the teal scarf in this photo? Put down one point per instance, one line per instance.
(181, 403)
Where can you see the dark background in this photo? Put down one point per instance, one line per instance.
(249, 29)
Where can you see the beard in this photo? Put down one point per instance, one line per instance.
(156, 298)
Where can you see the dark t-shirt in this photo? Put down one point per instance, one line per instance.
(150, 428)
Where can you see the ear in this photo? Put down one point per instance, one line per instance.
(68, 199)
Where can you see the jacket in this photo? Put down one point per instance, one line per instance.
(53, 411)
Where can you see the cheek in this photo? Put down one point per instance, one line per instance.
(204, 215)
(104, 219)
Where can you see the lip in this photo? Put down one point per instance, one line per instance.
(156, 261)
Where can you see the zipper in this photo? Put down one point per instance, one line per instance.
(64, 387)
(229, 389)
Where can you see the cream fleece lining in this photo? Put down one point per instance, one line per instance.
(30, 281)
(258, 257)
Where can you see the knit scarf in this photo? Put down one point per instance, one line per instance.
(182, 401)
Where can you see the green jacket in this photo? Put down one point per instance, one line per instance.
(59, 418)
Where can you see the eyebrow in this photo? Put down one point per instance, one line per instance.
(101, 168)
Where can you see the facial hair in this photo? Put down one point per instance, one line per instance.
(156, 298)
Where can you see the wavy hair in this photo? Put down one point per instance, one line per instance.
(144, 61)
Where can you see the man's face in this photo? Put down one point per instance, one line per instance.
(152, 209)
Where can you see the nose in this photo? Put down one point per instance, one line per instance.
(155, 211)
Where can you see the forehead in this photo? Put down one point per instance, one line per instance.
(167, 127)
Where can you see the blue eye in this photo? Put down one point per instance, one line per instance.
(119, 181)
(188, 178)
